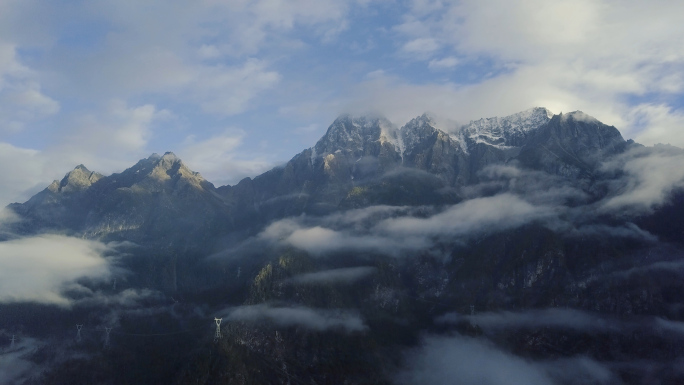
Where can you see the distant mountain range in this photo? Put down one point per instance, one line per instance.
(376, 235)
(360, 161)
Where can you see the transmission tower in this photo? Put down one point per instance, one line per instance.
(12, 345)
(217, 336)
(107, 331)
(78, 332)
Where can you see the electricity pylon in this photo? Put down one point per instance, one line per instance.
(217, 336)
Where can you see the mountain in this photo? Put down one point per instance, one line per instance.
(360, 161)
(333, 267)
(157, 201)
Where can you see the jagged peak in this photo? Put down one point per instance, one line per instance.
(170, 156)
(578, 116)
(79, 178)
(351, 132)
(530, 117)
(421, 120)
(417, 128)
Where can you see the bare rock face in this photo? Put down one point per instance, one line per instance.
(571, 145)
(158, 200)
(77, 180)
(360, 161)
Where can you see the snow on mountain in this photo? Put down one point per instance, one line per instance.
(353, 133)
(506, 131)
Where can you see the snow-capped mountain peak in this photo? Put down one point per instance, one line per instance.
(353, 133)
(509, 130)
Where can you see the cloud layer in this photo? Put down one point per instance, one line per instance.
(445, 360)
(315, 319)
(39, 269)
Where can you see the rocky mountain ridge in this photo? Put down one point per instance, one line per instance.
(376, 236)
(360, 161)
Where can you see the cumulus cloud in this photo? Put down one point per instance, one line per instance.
(39, 269)
(342, 275)
(561, 55)
(445, 360)
(315, 319)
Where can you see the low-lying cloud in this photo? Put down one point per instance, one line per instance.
(15, 367)
(651, 174)
(343, 275)
(315, 319)
(551, 317)
(393, 231)
(466, 361)
(495, 213)
(40, 268)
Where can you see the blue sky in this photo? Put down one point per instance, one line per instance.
(235, 87)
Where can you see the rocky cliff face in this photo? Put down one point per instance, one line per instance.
(360, 161)
(158, 200)
(398, 238)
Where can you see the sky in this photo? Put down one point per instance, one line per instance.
(235, 87)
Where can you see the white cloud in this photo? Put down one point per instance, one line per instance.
(445, 360)
(394, 231)
(342, 275)
(108, 139)
(421, 46)
(495, 213)
(444, 63)
(565, 55)
(651, 124)
(38, 269)
(651, 175)
(21, 98)
(16, 366)
(228, 90)
(316, 319)
(27, 170)
(220, 160)
(540, 318)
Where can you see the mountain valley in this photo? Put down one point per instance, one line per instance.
(379, 255)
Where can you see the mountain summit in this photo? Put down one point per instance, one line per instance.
(360, 161)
